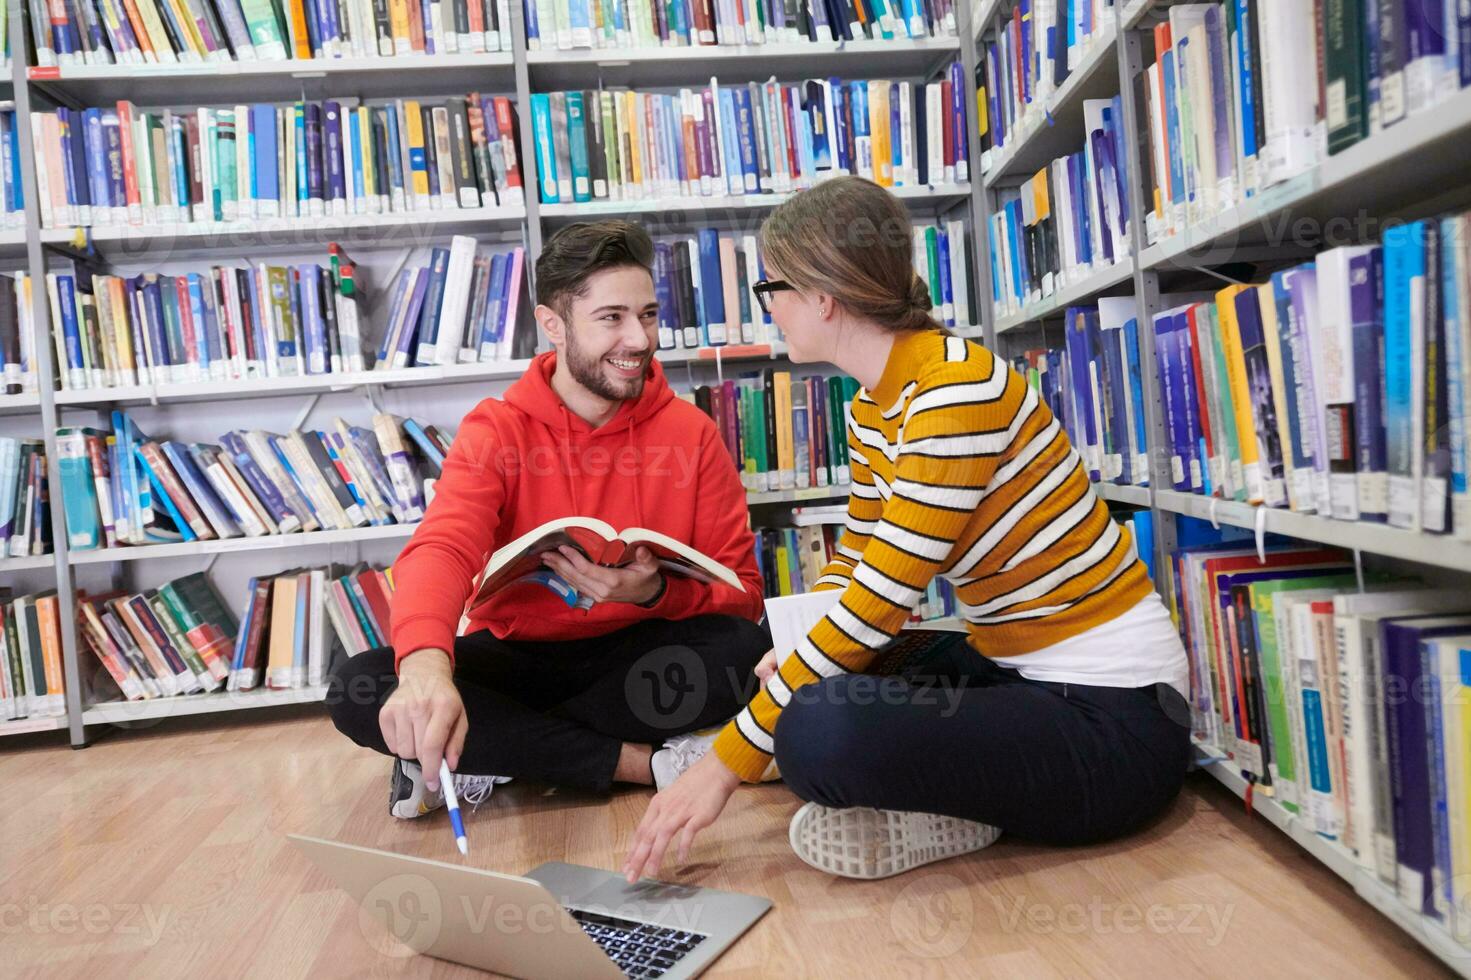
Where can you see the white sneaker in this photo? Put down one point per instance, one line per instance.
(409, 798)
(862, 842)
(678, 754)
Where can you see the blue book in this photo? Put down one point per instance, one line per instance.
(66, 298)
(1118, 383)
(1365, 306)
(1298, 457)
(213, 509)
(96, 146)
(1140, 436)
(428, 331)
(261, 485)
(1167, 364)
(313, 329)
(712, 293)
(389, 343)
(843, 128)
(202, 333)
(492, 327)
(1404, 266)
(298, 486)
(156, 324)
(546, 157)
(16, 199)
(1455, 362)
(1409, 763)
(303, 170)
(947, 288)
(411, 318)
(396, 174)
(336, 185)
(746, 138)
(730, 153)
(862, 138)
(426, 445)
(78, 489)
(896, 142)
(1077, 321)
(577, 140)
(1172, 126)
(664, 294)
(263, 135)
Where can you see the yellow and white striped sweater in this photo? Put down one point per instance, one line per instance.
(958, 470)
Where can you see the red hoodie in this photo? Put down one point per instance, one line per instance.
(659, 463)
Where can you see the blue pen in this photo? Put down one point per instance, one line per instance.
(452, 803)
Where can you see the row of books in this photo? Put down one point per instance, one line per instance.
(791, 559)
(25, 514)
(1244, 96)
(1023, 61)
(756, 138)
(12, 187)
(571, 24)
(463, 307)
(136, 32)
(123, 488)
(1338, 386)
(1070, 219)
(182, 638)
(1093, 386)
(17, 335)
(124, 166)
(783, 433)
(32, 684)
(1346, 702)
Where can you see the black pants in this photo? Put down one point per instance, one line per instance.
(961, 736)
(558, 712)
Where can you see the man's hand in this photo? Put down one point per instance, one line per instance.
(687, 807)
(424, 718)
(766, 667)
(635, 582)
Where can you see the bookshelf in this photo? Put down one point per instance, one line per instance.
(1415, 169)
(517, 73)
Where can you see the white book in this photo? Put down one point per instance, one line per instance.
(453, 306)
(908, 173)
(204, 209)
(1288, 89)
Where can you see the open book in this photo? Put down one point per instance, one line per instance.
(520, 561)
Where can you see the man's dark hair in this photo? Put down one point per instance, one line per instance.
(579, 251)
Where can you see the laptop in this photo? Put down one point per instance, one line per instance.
(556, 921)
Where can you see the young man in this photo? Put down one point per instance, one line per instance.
(536, 688)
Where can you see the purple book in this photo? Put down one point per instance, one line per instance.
(261, 485)
(411, 317)
(1409, 763)
(712, 143)
(336, 188)
(958, 120)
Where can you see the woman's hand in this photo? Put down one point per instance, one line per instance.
(684, 809)
(766, 667)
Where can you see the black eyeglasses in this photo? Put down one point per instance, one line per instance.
(765, 287)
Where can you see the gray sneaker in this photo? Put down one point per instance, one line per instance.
(409, 798)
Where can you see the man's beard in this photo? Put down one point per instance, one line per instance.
(588, 372)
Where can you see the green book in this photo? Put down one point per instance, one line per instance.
(176, 636)
(1232, 451)
(932, 257)
(1346, 112)
(1283, 761)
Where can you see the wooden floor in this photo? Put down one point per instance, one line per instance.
(163, 853)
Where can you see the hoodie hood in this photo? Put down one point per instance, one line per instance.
(532, 393)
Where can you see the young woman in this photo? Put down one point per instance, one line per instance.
(1059, 716)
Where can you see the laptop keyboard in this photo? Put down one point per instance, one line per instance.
(639, 949)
